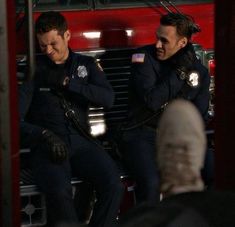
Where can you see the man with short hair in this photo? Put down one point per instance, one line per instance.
(161, 72)
(54, 124)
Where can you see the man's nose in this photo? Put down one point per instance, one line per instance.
(48, 49)
(158, 44)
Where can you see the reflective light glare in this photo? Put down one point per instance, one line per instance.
(129, 32)
(92, 35)
(97, 35)
(98, 129)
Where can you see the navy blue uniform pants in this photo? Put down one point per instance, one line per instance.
(139, 153)
(88, 162)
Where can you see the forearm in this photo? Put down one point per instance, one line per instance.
(96, 94)
(164, 91)
(29, 133)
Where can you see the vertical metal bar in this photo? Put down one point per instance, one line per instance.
(30, 38)
(170, 3)
(165, 7)
(92, 4)
(5, 149)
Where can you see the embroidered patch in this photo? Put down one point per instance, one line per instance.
(193, 79)
(138, 58)
(82, 71)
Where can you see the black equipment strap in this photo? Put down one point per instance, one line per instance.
(182, 94)
(138, 124)
(72, 115)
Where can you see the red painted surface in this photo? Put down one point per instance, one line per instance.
(14, 121)
(113, 23)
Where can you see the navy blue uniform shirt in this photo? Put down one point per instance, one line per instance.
(40, 107)
(154, 83)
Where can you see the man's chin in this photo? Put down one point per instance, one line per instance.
(52, 58)
(160, 57)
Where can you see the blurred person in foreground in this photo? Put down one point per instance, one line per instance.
(181, 151)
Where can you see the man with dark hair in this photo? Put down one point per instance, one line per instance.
(160, 73)
(54, 124)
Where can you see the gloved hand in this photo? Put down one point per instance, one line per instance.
(58, 149)
(184, 60)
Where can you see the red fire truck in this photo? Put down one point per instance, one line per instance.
(109, 30)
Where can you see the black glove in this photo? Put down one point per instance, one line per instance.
(183, 61)
(58, 149)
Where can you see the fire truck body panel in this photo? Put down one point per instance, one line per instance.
(126, 27)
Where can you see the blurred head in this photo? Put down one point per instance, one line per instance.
(174, 33)
(181, 142)
(53, 36)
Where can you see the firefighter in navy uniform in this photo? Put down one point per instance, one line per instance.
(58, 147)
(160, 73)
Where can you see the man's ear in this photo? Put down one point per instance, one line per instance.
(67, 35)
(183, 42)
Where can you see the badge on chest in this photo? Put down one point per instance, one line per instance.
(81, 71)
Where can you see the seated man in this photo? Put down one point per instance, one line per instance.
(161, 72)
(54, 124)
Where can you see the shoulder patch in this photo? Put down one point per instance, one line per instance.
(138, 58)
